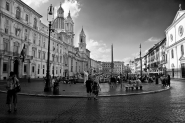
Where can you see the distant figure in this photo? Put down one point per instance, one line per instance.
(85, 77)
(156, 80)
(29, 79)
(168, 80)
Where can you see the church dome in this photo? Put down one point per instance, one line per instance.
(60, 11)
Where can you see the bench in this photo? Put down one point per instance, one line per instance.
(132, 87)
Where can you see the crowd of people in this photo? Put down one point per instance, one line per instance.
(164, 79)
(92, 84)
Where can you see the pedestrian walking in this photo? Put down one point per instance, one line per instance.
(156, 80)
(96, 88)
(12, 84)
(168, 80)
(29, 79)
(89, 83)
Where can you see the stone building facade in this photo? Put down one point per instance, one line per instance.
(175, 42)
(118, 67)
(21, 26)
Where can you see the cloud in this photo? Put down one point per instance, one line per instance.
(35, 2)
(126, 60)
(135, 54)
(145, 51)
(99, 50)
(153, 39)
(70, 5)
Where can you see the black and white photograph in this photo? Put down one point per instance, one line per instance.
(92, 61)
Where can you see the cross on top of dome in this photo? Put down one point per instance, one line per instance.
(60, 11)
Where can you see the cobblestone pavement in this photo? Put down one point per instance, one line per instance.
(37, 87)
(163, 107)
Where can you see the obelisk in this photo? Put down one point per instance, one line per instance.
(112, 61)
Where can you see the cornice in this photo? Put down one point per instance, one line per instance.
(176, 22)
(169, 47)
(28, 7)
(28, 26)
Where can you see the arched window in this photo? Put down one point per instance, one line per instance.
(172, 53)
(35, 23)
(182, 50)
(81, 40)
(18, 13)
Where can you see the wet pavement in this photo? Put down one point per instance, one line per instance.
(164, 107)
(79, 89)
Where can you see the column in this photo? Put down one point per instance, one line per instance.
(11, 63)
(1, 68)
(1, 22)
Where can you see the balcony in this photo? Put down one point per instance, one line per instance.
(16, 54)
(5, 52)
(29, 57)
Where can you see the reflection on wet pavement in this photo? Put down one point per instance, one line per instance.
(164, 107)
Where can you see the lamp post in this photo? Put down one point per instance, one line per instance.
(127, 70)
(50, 16)
(140, 61)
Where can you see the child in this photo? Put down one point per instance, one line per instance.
(95, 88)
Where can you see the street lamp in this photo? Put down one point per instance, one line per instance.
(140, 61)
(127, 70)
(50, 17)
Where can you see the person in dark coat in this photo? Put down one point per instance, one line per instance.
(156, 80)
(168, 80)
(89, 83)
(12, 83)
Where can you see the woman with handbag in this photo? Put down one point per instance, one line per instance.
(13, 87)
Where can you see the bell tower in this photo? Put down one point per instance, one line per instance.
(82, 41)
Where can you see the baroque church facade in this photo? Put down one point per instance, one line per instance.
(20, 26)
(76, 59)
(175, 43)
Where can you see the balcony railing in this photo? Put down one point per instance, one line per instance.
(5, 52)
(15, 54)
(29, 57)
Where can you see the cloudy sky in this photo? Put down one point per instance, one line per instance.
(123, 23)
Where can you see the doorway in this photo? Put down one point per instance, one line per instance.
(183, 70)
(16, 68)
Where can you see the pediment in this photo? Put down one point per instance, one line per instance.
(182, 58)
(178, 15)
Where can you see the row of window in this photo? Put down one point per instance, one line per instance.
(6, 46)
(18, 15)
(5, 69)
(180, 32)
(182, 51)
(42, 55)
